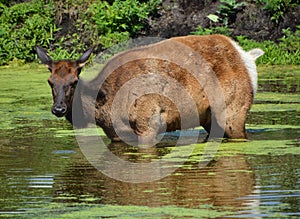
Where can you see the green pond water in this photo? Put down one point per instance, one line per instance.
(44, 174)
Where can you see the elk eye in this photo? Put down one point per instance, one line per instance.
(74, 83)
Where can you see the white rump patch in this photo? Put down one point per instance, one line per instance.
(249, 61)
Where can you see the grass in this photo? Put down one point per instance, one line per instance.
(111, 211)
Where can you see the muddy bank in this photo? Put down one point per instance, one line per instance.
(181, 17)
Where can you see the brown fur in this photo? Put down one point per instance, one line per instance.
(153, 113)
(233, 76)
(221, 56)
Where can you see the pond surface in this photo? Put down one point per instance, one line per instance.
(43, 173)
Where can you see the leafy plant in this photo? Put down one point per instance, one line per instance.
(5, 2)
(214, 30)
(117, 21)
(286, 52)
(291, 40)
(228, 9)
(22, 26)
(278, 8)
(213, 17)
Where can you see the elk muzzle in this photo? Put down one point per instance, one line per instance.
(59, 109)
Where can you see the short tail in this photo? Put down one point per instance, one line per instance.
(255, 53)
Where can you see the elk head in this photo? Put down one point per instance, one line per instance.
(63, 79)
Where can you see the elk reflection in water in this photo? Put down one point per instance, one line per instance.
(221, 183)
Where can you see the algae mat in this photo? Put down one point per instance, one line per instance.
(43, 173)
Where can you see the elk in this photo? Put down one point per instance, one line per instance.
(149, 90)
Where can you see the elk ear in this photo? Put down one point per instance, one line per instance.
(43, 56)
(255, 53)
(84, 58)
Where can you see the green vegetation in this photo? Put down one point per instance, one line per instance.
(22, 26)
(35, 143)
(97, 22)
(277, 8)
(106, 23)
(227, 9)
(64, 210)
(15, 81)
(116, 22)
(272, 97)
(279, 79)
(213, 30)
(256, 147)
(285, 51)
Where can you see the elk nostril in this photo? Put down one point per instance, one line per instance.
(59, 110)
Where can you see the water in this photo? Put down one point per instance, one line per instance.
(43, 172)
